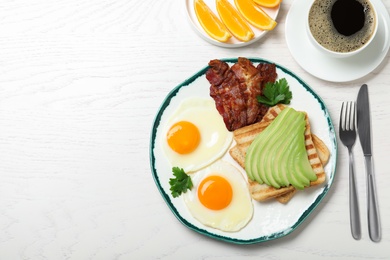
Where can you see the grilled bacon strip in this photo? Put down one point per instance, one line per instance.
(235, 89)
(226, 91)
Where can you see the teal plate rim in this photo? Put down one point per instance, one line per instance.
(306, 213)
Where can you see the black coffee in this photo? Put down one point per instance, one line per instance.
(342, 25)
(348, 16)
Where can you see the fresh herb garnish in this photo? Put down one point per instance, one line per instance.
(274, 93)
(181, 183)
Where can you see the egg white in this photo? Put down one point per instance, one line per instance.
(215, 138)
(237, 214)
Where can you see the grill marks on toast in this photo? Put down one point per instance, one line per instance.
(314, 147)
(322, 149)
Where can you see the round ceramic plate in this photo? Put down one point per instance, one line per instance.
(329, 68)
(233, 42)
(271, 219)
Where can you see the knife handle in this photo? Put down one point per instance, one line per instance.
(372, 204)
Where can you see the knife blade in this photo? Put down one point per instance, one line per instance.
(364, 130)
(364, 120)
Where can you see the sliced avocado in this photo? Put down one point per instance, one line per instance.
(300, 171)
(305, 167)
(304, 171)
(281, 155)
(254, 163)
(283, 167)
(274, 152)
(248, 170)
(280, 152)
(293, 160)
(254, 154)
(278, 155)
(296, 178)
(255, 149)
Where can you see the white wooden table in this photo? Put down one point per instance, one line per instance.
(80, 84)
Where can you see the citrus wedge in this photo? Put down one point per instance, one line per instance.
(268, 3)
(255, 15)
(234, 21)
(210, 22)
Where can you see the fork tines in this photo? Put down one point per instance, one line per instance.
(347, 117)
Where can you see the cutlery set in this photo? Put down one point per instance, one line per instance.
(347, 132)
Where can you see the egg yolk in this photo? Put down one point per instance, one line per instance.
(183, 137)
(215, 192)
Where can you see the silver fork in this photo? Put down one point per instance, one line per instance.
(347, 133)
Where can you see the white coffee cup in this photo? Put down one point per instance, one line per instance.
(322, 21)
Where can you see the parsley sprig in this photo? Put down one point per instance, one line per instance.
(274, 93)
(181, 183)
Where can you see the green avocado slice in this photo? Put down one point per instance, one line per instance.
(298, 180)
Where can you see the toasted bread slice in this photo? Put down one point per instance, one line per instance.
(322, 149)
(286, 197)
(237, 155)
(244, 137)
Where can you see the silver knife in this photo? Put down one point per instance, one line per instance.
(364, 129)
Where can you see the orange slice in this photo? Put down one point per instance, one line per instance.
(210, 22)
(234, 21)
(255, 15)
(268, 3)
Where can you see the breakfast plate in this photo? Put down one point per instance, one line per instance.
(271, 219)
(330, 68)
(232, 42)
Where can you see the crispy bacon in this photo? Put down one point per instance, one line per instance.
(235, 89)
(250, 80)
(267, 72)
(225, 90)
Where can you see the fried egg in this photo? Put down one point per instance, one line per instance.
(220, 197)
(195, 135)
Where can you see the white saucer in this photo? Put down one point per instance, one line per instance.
(232, 42)
(335, 69)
